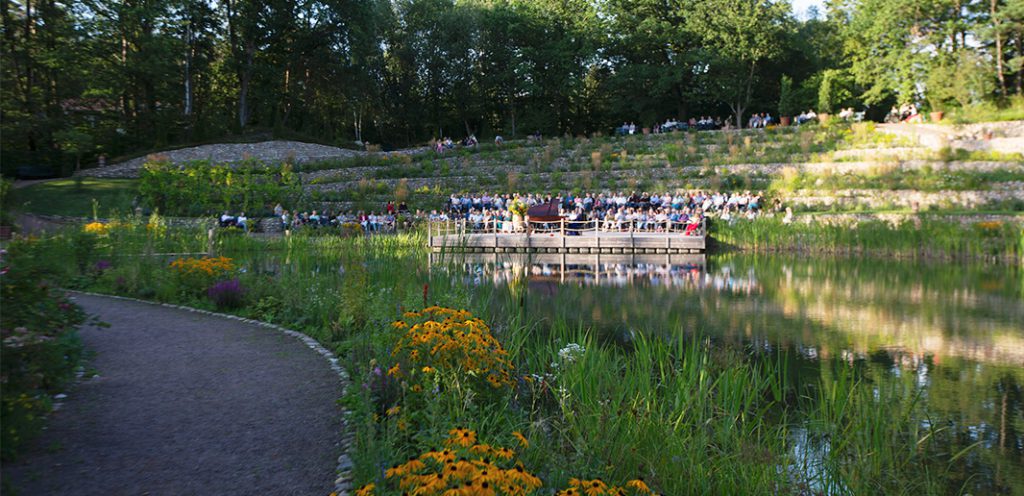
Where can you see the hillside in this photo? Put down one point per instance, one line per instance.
(860, 168)
(837, 168)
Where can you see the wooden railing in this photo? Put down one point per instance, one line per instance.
(562, 227)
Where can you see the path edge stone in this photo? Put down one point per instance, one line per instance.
(344, 479)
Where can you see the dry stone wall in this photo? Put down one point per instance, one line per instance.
(266, 151)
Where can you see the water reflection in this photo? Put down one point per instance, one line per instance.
(666, 271)
(954, 335)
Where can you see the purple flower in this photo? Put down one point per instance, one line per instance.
(227, 294)
(102, 265)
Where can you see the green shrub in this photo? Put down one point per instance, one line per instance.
(201, 187)
(40, 347)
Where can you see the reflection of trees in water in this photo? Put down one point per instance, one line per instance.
(950, 333)
(969, 404)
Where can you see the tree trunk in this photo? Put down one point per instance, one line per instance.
(1020, 52)
(999, 48)
(244, 77)
(29, 75)
(188, 69)
(285, 97)
(512, 105)
(357, 124)
(738, 109)
(741, 104)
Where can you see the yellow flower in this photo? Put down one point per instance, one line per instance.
(97, 228)
(639, 485)
(454, 340)
(366, 490)
(393, 411)
(395, 371)
(504, 453)
(209, 266)
(594, 487)
(521, 438)
(428, 370)
(461, 437)
(480, 449)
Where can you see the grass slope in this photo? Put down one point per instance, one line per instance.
(74, 197)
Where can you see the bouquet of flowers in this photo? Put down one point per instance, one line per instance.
(518, 207)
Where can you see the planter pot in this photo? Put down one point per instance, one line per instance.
(824, 118)
(646, 131)
(785, 121)
(936, 116)
(518, 223)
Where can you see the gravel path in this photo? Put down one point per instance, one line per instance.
(188, 404)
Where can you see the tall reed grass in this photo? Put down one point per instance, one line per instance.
(923, 237)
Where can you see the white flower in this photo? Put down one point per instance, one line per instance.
(571, 353)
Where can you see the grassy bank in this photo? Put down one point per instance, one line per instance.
(674, 412)
(921, 236)
(77, 197)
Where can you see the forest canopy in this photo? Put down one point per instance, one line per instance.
(92, 77)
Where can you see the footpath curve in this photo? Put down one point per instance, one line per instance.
(189, 403)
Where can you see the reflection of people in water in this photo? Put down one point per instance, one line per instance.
(691, 276)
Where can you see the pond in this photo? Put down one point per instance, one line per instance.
(952, 334)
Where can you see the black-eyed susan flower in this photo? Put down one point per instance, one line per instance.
(504, 453)
(595, 487)
(366, 490)
(639, 485)
(521, 438)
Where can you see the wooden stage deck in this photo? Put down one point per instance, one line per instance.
(587, 242)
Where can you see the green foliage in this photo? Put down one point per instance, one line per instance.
(825, 98)
(1010, 109)
(964, 81)
(739, 35)
(787, 102)
(40, 345)
(202, 188)
(75, 142)
(6, 186)
(91, 79)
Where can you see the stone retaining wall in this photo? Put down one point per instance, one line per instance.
(853, 198)
(266, 151)
(695, 175)
(898, 219)
(1002, 137)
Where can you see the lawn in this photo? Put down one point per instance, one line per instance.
(74, 197)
